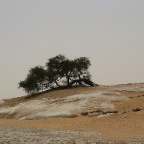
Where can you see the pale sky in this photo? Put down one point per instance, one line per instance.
(110, 32)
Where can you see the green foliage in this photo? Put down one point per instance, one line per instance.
(34, 80)
(54, 69)
(29, 85)
(82, 65)
(59, 72)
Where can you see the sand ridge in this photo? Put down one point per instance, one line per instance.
(126, 125)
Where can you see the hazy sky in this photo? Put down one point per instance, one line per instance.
(110, 32)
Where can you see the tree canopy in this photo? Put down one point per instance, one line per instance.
(59, 71)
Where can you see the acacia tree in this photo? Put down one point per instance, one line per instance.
(59, 72)
(68, 71)
(82, 65)
(55, 70)
(29, 85)
(35, 80)
(76, 70)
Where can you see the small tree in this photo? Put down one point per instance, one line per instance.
(82, 65)
(59, 72)
(35, 80)
(55, 69)
(29, 85)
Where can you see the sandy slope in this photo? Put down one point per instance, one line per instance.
(125, 125)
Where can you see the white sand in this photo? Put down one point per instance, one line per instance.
(70, 106)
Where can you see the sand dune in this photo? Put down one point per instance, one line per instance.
(114, 113)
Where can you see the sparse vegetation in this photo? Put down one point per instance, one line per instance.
(58, 72)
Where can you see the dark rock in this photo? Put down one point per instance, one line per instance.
(110, 112)
(97, 111)
(136, 109)
(84, 113)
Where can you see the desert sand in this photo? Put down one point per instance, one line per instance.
(97, 126)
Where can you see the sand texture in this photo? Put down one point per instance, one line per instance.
(113, 114)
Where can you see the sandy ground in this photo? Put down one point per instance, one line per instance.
(23, 135)
(126, 126)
